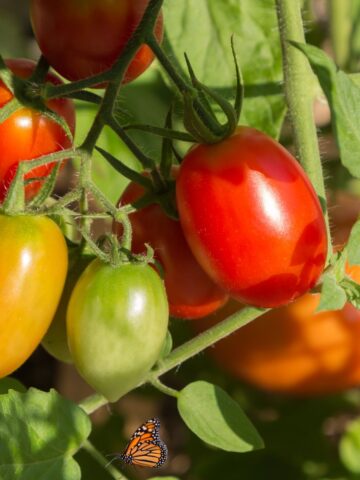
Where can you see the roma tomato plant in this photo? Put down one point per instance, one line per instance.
(33, 267)
(235, 216)
(252, 218)
(28, 134)
(294, 349)
(190, 291)
(80, 39)
(116, 323)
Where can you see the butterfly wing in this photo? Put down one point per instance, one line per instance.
(151, 455)
(145, 447)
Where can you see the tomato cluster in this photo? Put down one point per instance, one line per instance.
(250, 227)
(120, 308)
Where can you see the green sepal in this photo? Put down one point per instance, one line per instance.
(6, 76)
(46, 189)
(7, 110)
(124, 170)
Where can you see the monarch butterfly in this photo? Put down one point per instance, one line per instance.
(145, 447)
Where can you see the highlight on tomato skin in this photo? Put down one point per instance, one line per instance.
(293, 350)
(33, 268)
(252, 218)
(191, 292)
(81, 39)
(28, 134)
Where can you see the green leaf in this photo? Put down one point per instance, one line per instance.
(339, 260)
(8, 383)
(216, 418)
(39, 433)
(349, 447)
(344, 98)
(144, 101)
(208, 44)
(333, 296)
(353, 246)
(352, 290)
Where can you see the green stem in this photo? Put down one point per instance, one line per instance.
(158, 51)
(6, 75)
(186, 351)
(183, 86)
(164, 388)
(92, 403)
(40, 71)
(103, 461)
(145, 161)
(205, 339)
(92, 137)
(117, 71)
(340, 29)
(299, 97)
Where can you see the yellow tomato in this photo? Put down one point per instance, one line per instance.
(33, 266)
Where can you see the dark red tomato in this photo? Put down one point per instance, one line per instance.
(28, 134)
(191, 293)
(252, 218)
(80, 39)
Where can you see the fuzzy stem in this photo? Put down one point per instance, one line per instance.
(207, 338)
(186, 351)
(103, 461)
(182, 85)
(92, 403)
(164, 388)
(340, 29)
(299, 97)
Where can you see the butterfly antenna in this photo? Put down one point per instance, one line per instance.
(115, 455)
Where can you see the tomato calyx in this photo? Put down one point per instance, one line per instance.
(114, 251)
(206, 128)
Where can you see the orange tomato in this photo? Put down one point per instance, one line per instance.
(33, 266)
(292, 349)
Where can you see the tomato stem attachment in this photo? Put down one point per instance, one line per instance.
(299, 97)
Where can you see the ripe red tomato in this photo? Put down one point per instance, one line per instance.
(33, 267)
(252, 219)
(293, 350)
(80, 39)
(191, 293)
(28, 134)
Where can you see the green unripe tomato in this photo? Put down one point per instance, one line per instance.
(117, 321)
(55, 340)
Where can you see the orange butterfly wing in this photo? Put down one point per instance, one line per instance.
(145, 448)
